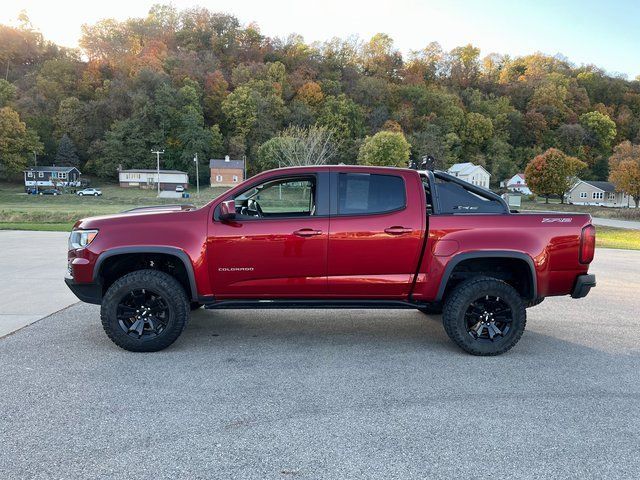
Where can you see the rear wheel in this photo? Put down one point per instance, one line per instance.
(484, 316)
(145, 311)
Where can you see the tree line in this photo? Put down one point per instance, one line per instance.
(195, 81)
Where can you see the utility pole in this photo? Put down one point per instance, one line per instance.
(195, 159)
(158, 153)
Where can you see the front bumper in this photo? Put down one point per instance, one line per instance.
(86, 292)
(584, 283)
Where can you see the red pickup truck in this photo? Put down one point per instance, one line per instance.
(332, 237)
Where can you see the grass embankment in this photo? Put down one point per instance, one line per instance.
(601, 212)
(19, 211)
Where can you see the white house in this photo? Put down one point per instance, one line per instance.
(517, 183)
(591, 192)
(148, 178)
(474, 174)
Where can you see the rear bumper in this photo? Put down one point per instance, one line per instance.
(584, 283)
(86, 292)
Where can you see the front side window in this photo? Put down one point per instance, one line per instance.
(362, 193)
(285, 197)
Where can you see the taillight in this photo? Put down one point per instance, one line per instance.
(587, 244)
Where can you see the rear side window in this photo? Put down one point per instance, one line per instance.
(362, 193)
(456, 199)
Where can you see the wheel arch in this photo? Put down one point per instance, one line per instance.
(458, 260)
(178, 254)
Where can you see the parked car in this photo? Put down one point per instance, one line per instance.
(89, 191)
(332, 237)
(50, 191)
(179, 188)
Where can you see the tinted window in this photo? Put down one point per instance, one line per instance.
(360, 193)
(456, 199)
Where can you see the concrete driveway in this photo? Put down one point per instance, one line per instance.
(331, 394)
(31, 283)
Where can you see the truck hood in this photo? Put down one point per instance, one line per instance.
(134, 215)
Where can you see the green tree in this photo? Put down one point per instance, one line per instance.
(552, 173)
(17, 142)
(600, 130)
(7, 93)
(67, 154)
(385, 149)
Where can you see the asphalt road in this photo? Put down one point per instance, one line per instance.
(331, 394)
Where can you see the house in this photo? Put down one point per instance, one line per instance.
(51, 177)
(474, 174)
(590, 192)
(148, 178)
(227, 172)
(517, 183)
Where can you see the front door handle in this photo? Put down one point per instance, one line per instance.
(307, 232)
(397, 230)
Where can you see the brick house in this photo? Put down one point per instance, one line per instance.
(227, 172)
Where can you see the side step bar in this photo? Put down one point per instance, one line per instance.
(314, 303)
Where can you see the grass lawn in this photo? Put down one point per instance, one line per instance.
(35, 212)
(608, 237)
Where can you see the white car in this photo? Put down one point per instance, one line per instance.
(179, 188)
(90, 191)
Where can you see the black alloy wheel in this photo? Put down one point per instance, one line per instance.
(488, 318)
(143, 313)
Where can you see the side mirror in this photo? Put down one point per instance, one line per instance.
(227, 210)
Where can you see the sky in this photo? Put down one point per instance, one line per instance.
(602, 33)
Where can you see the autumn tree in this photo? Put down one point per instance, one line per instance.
(17, 142)
(624, 167)
(552, 173)
(385, 148)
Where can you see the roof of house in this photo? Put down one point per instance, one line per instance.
(604, 186)
(150, 170)
(51, 169)
(465, 168)
(217, 163)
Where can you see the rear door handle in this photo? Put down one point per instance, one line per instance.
(397, 230)
(307, 232)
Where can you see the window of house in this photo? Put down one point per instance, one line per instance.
(235, 178)
(30, 174)
(612, 196)
(40, 175)
(285, 197)
(583, 194)
(218, 178)
(360, 193)
(598, 195)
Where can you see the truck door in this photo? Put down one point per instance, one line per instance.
(376, 233)
(276, 247)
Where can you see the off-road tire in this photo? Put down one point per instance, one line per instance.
(159, 282)
(467, 292)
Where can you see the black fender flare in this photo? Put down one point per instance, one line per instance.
(173, 251)
(488, 254)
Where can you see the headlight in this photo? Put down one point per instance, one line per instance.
(81, 238)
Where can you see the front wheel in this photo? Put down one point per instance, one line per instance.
(484, 316)
(145, 311)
